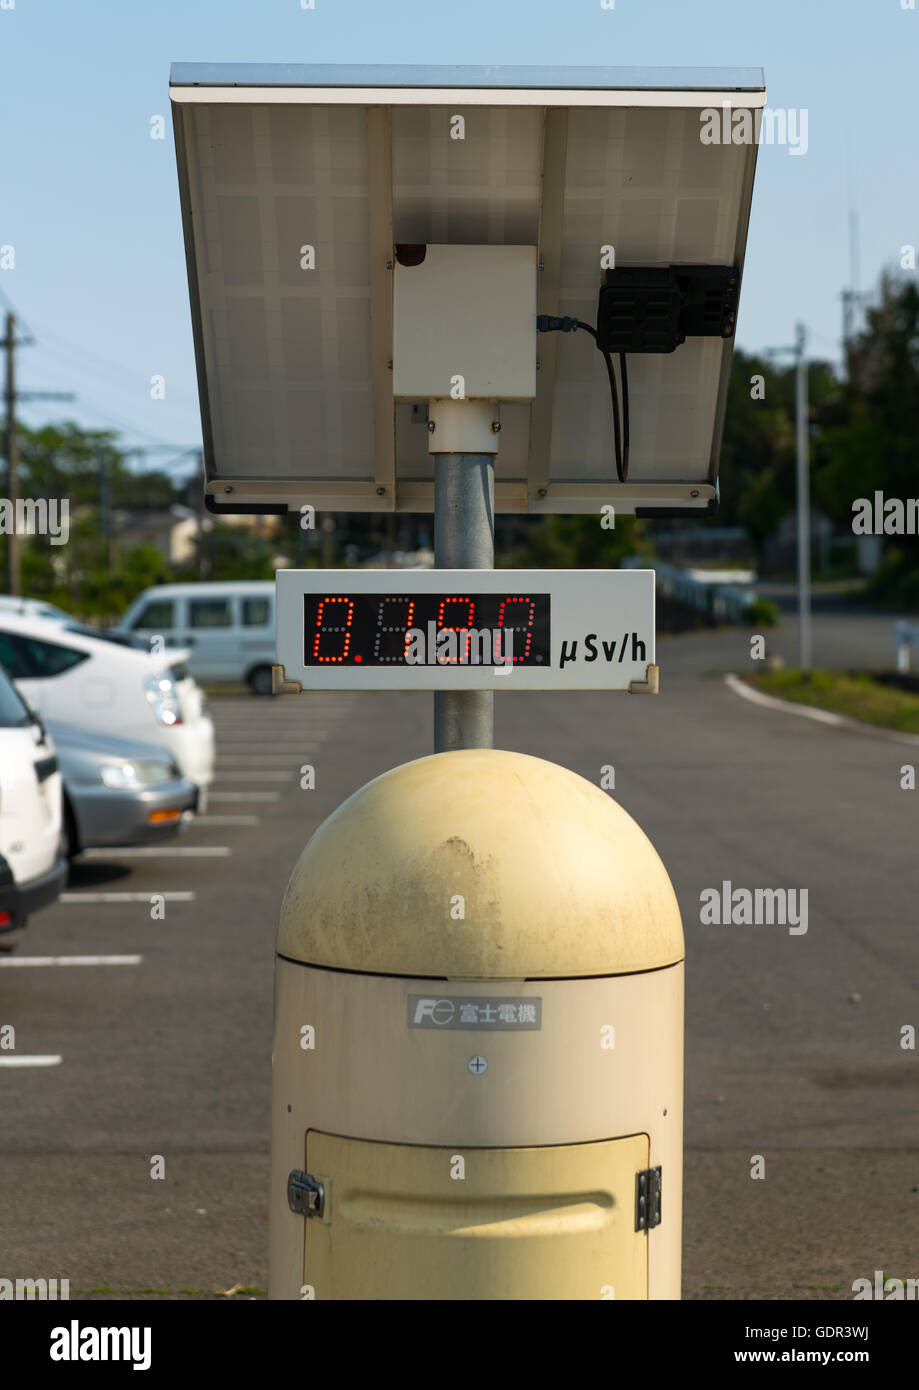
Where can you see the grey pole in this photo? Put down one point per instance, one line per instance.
(803, 475)
(464, 538)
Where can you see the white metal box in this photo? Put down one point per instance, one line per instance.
(464, 324)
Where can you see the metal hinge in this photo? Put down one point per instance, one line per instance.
(305, 1194)
(647, 1199)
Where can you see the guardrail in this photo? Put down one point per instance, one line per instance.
(906, 639)
(724, 603)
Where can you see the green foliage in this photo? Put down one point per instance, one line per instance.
(577, 542)
(757, 474)
(854, 694)
(864, 433)
(872, 441)
(763, 613)
(897, 578)
(229, 552)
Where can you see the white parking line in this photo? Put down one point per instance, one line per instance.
(245, 796)
(289, 748)
(295, 720)
(125, 897)
(37, 1061)
(288, 728)
(255, 776)
(161, 852)
(227, 820)
(263, 759)
(24, 961)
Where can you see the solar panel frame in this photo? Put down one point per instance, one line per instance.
(369, 453)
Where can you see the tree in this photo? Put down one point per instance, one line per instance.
(578, 542)
(870, 435)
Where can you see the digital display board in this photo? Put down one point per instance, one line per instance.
(443, 629)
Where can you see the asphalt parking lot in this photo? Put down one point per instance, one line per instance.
(135, 1135)
(142, 1004)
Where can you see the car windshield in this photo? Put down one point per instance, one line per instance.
(14, 713)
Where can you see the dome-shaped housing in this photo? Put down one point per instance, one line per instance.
(481, 865)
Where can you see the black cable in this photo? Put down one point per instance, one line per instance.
(546, 323)
(624, 378)
(614, 396)
(620, 431)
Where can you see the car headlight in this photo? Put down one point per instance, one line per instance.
(131, 776)
(163, 696)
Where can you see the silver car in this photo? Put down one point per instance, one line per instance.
(119, 791)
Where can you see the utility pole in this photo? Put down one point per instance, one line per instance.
(803, 479)
(851, 297)
(11, 396)
(802, 474)
(12, 456)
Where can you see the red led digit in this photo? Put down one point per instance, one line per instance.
(470, 622)
(322, 627)
(527, 628)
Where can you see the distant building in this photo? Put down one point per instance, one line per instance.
(173, 531)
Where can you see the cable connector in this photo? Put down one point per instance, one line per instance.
(545, 323)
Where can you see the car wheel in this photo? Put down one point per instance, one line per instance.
(260, 680)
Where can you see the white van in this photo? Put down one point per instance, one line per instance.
(33, 869)
(227, 624)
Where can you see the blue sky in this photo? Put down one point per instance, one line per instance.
(90, 202)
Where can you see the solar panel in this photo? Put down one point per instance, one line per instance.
(297, 183)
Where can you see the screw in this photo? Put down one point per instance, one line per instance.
(694, 492)
(542, 492)
(496, 426)
(381, 492)
(431, 427)
(389, 265)
(228, 489)
(477, 1065)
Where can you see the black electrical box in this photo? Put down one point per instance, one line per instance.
(654, 309)
(639, 311)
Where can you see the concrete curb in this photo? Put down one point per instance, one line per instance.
(819, 716)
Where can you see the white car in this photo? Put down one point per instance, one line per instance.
(33, 869)
(90, 680)
(33, 608)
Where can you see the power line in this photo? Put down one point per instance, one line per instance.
(63, 349)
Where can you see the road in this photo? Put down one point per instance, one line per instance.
(792, 1046)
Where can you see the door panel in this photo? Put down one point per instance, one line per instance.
(540, 1223)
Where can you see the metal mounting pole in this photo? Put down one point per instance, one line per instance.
(464, 538)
